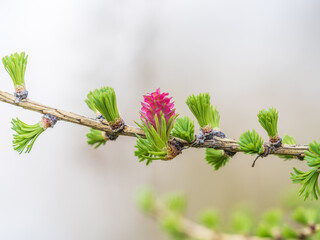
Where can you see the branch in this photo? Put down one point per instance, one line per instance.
(226, 144)
(169, 213)
(196, 231)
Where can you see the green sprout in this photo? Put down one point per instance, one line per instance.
(15, 65)
(26, 135)
(184, 128)
(155, 145)
(210, 218)
(264, 231)
(288, 232)
(216, 158)
(171, 223)
(104, 101)
(269, 121)
(309, 180)
(313, 155)
(95, 137)
(273, 217)
(271, 220)
(306, 216)
(146, 200)
(203, 111)
(289, 141)
(242, 222)
(251, 143)
(176, 202)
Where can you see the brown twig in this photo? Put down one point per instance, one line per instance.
(309, 231)
(227, 144)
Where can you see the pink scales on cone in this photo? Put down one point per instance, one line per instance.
(155, 103)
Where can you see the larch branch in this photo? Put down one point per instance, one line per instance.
(227, 144)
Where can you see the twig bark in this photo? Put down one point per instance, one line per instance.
(227, 144)
(309, 231)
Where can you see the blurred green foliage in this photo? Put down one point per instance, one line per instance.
(292, 221)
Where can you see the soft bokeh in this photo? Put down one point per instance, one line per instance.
(248, 54)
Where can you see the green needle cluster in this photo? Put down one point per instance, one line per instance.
(210, 218)
(104, 100)
(171, 224)
(155, 145)
(95, 138)
(271, 222)
(269, 121)
(242, 222)
(184, 128)
(251, 143)
(309, 182)
(203, 111)
(306, 216)
(176, 202)
(216, 158)
(175, 205)
(16, 65)
(26, 135)
(146, 200)
(289, 140)
(309, 179)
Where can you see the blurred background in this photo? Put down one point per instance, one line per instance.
(248, 55)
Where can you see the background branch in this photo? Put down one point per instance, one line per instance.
(194, 230)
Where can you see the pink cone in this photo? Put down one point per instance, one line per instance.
(154, 104)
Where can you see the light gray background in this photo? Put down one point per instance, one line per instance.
(248, 54)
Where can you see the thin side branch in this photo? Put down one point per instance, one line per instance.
(227, 144)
